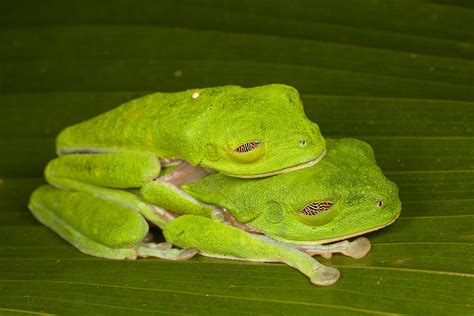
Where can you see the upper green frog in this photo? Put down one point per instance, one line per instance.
(242, 132)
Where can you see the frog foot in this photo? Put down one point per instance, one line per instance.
(358, 248)
(323, 275)
(165, 251)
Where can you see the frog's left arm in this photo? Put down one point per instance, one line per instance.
(215, 239)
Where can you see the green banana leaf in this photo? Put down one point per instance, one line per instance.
(398, 74)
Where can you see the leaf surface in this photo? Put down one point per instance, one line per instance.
(398, 74)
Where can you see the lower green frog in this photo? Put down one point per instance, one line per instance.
(286, 218)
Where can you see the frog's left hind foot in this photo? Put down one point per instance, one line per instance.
(99, 227)
(356, 249)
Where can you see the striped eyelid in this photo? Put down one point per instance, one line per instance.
(315, 208)
(249, 146)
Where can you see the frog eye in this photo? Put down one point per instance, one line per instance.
(379, 203)
(316, 208)
(245, 148)
(249, 152)
(317, 213)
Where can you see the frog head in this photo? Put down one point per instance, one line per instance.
(261, 131)
(344, 195)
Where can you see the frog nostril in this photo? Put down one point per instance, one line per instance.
(379, 203)
(303, 143)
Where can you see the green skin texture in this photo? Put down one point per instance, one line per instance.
(348, 176)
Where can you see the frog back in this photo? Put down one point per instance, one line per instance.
(160, 123)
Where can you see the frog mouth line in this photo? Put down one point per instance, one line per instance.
(280, 171)
(330, 240)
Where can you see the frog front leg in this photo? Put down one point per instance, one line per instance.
(102, 173)
(166, 191)
(99, 227)
(215, 239)
(357, 248)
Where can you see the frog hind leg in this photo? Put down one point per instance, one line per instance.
(216, 239)
(98, 227)
(103, 173)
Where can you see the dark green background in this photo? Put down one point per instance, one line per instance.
(398, 74)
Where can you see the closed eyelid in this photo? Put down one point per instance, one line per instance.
(248, 146)
(315, 208)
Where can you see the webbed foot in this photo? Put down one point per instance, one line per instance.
(324, 275)
(356, 249)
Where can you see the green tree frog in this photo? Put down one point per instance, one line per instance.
(286, 218)
(242, 132)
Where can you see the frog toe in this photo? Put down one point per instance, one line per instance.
(323, 275)
(359, 248)
(188, 253)
(164, 251)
